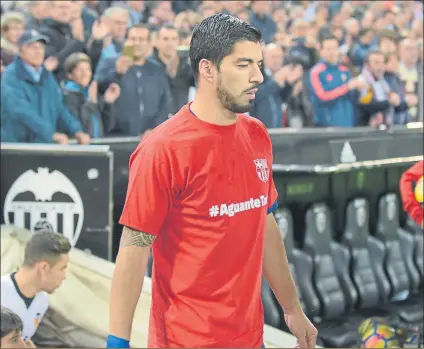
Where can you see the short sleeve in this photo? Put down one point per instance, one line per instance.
(272, 195)
(272, 191)
(149, 194)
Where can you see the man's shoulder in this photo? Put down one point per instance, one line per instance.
(43, 298)
(153, 65)
(253, 124)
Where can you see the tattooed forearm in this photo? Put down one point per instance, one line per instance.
(131, 237)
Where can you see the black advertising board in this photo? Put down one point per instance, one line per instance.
(67, 189)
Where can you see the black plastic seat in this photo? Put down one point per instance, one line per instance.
(366, 265)
(416, 231)
(331, 280)
(399, 264)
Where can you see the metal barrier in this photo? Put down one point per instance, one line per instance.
(311, 165)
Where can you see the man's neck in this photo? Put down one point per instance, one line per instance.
(410, 66)
(211, 110)
(140, 61)
(164, 58)
(26, 282)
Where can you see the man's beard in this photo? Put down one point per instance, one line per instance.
(228, 101)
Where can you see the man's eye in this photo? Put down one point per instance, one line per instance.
(243, 65)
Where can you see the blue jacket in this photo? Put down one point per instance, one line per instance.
(30, 110)
(333, 103)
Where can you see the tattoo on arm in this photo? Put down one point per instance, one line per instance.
(131, 237)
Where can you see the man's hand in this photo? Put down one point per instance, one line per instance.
(294, 74)
(82, 138)
(411, 99)
(51, 63)
(112, 93)
(394, 99)
(100, 30)
(123, 64)
(301, 328)
(78, 29)
(93, 91)
(358, 83)
(60, 138)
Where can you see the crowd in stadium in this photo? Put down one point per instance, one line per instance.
(92, 69)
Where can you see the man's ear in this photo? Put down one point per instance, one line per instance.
(207, 70)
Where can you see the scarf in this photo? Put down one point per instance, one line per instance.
(380, 91)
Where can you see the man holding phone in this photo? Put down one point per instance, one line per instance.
(145, 97)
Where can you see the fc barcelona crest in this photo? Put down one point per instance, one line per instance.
(262, 169)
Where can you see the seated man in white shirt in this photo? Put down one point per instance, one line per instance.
(44, 268)
(11, 329)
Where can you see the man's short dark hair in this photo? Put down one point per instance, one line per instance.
(140, 26)
(374, 51)
(327, 37)
(215, 37)
(388, 35)
(45, 246)
(10, 322)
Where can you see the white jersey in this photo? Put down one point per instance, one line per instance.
(30, 316)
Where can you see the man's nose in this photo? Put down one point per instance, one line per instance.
(257, 77)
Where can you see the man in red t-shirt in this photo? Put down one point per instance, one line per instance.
(201, 194)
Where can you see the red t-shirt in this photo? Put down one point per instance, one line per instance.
(205, 191)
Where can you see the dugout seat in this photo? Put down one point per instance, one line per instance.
(356, 237)
(272, 315)
(366, 265)
(331, 279)
(300, 264)
(416, 231)
(399, 263)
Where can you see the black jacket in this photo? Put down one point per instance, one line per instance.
(180, 83)
(62, 44)
(97, 119)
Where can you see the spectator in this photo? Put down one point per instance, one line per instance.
(80, 11)
(161, 13)
(352, 30)
(145, 96)
(12, 27)
(273, 58)
(66, 37)
(97, 116)
(244, 15)
(417, 30)
(177, 68)
(273, 92)
(11, 329)
(408, 71)
(38, 11)
(31, 102)
(26, 291)
(232, 7)
(136, 12)
(360, 49)
(387, 42)
(117, 19)
(378, 102)
(279, 15)
(333, 89)
(261, 19)
(391, 75)
(367, 20)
